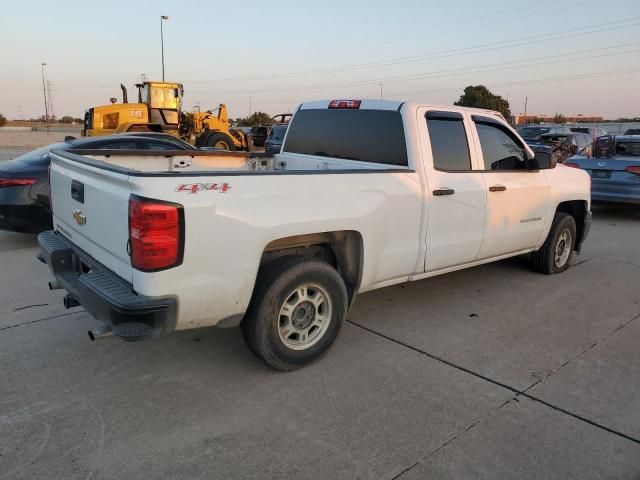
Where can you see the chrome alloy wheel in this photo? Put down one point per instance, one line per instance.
(563, 249)
(304, 317)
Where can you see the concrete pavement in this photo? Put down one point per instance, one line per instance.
(493, 372)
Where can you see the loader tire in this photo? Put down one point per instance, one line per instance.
(219, 140)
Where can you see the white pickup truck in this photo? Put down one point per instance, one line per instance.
(365, 194)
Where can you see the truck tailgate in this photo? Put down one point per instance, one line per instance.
(91, 208)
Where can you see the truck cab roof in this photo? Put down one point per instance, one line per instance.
(373, 104)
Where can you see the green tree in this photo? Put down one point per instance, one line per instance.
(66, 119)
(256, 118)
(479, 96)
(3, 120)
(559, 118)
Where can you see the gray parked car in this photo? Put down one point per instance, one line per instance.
(533, 132)
(614, 169)
(595, 132)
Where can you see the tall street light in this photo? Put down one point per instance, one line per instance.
(44, 94)
(162, 17)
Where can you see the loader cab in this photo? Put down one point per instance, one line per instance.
(164, 101)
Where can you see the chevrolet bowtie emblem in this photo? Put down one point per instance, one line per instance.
(79, 217)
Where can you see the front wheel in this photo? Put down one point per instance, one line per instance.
(296, 312)
(557, 250)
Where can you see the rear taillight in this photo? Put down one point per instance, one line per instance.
(156, 234)
(345, 104)
(572, 165)
(17, 182)
(635, 169)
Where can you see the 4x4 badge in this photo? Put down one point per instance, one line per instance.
(193, 188)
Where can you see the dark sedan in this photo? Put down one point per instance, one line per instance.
(273, 144)
(24, 181)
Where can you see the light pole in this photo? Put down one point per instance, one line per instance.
(380, 91)
(44, 94)
(162, 17)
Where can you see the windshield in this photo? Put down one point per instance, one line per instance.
(41, 154)
(165, 97)
(278, 132)
(533, 132)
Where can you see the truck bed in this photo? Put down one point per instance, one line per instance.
(164, 162)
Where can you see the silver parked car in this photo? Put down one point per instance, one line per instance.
(595, 132)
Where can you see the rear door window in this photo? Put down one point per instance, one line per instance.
(449, 145)
(375, 136)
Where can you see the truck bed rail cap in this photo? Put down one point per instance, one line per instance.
(365, 105)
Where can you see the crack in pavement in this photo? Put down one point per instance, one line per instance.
(505, 386)
(40, 320)
(30, 306)
(598, 342)
(452, 439)
(616, 260)
(17, 248)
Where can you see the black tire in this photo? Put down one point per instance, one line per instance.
(220, 140)
(263, 323)
(544, 260)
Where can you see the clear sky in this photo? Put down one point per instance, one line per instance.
(564, 55)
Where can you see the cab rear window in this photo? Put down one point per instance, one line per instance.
(375, 136)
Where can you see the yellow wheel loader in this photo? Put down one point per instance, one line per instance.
(159, 109)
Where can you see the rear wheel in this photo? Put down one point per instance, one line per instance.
(556, 252)
(296, 312)
(219, 140)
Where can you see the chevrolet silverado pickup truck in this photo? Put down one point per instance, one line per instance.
(364, 194)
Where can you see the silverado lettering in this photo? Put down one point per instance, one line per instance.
(193, 188)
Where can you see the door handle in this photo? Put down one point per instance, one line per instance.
(497, 188)
(444, 191)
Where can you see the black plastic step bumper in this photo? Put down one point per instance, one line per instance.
(103, 294)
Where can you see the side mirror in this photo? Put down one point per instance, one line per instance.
(533, 164)
(544, 161)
